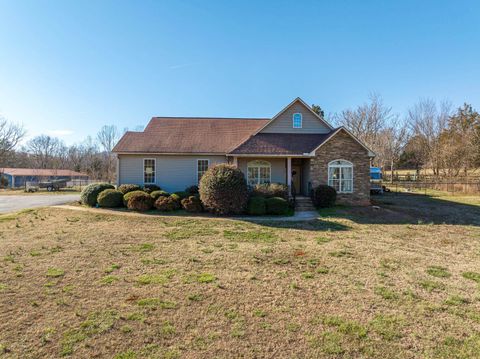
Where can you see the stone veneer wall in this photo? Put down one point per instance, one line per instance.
(343, 146)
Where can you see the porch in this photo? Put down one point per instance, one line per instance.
(292, 171)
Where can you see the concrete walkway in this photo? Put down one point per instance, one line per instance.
(298, 216)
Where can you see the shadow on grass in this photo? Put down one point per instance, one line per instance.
(410, 208)
(311, 225)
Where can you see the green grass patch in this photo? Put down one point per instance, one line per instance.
(261, 236)
(344, 253)
(456, 300)
(3, 287)
(144, 247)
(472, 276)
(329, 343)
(112, 268)
(109, 279)
(322, 240)
(348, 327)
(96, 323)
(439, 272)
(431, 286)
(55, 272)
(161, 278)
(463, 348)
(388, 326)
(386, 293)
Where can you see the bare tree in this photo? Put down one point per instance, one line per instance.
(107, 138)
(10, 136)
(46, 151)
(391, 144)
(427, 121)
(368, 122)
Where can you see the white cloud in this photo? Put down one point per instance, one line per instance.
(60, 133)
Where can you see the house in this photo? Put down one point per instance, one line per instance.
(296, 147)
(17, 177)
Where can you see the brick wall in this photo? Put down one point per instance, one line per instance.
(343, 146)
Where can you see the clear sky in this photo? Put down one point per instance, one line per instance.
(68, 67)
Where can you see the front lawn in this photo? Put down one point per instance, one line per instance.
(401, 281)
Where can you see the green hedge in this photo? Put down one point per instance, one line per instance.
(125, 188)
(90, 193)
(157, 194)
(256, 206)
(167, 204)
(324, 196)
(269, 190)
(140, 201)
(110, 198)
(192, 204)
(276, 205)
(127, 196)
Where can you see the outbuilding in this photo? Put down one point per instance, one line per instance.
(17, 177)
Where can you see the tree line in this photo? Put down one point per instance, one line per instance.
(429, 135)
(92, 156)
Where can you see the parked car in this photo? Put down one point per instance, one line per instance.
(53, 185)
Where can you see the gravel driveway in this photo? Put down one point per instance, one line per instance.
(13, 203)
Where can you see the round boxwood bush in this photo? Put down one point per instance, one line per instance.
(125, 188)
(223, 190)
(167, 204)
(90, 193)
(140, 202)
(110, 198)
(192, 190)
(256, 206)
(127, 196)
(149, 188)
(157, 194)
(192, 204)
(324, 196)
(181, 194)
(276, 205)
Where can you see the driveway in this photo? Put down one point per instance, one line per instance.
(13, 203)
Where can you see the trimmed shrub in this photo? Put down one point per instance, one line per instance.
(110, 198)
(127, 196)
(276, 205)
(176, 197)
(149, 188)
(223, 189)
(140, 201)
(181, 194)
(157, 194)
(192, 190)
(90, 193)
(324, 196)
(269, 190)
(256, 206)
(167, 204)
(125, 188)
(192, 204)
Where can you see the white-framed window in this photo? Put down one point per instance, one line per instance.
(259, 172)
(297, 120)
(202, 167)
(149, 170)
(340, 176)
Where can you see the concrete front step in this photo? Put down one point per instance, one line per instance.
(304, 204)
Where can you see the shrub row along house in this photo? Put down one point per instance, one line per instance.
(296, 147)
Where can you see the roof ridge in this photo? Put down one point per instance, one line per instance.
(209, 118)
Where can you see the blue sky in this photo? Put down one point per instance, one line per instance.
(67, 68)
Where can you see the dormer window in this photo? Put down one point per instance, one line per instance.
(297, 120)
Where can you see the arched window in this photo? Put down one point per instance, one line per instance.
(297, 120)
(259, 172)
(340, 176)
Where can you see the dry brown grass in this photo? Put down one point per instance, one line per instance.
(357, 284)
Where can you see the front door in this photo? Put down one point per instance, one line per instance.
(296, 178)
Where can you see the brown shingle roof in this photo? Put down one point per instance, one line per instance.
(189, 135)
(281, 143)
(41, 172)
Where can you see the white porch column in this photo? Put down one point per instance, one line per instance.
(235, 161)
(289, 175)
